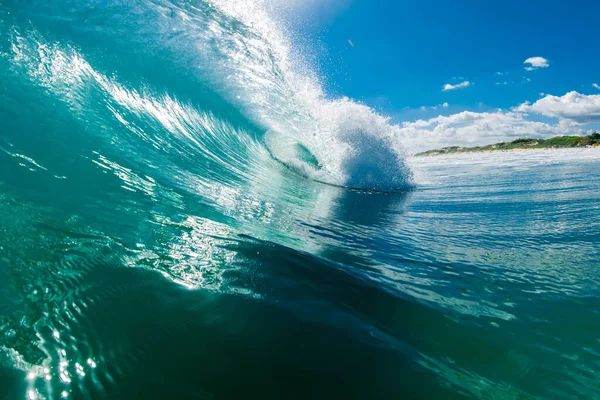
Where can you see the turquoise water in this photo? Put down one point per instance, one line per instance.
(184, 214)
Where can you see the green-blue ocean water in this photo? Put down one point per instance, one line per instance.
(182, 217)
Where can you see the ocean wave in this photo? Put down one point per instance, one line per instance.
(246, 72)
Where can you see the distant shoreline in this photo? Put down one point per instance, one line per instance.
(556, 143)
(457, 153)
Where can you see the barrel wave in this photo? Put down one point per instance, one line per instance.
(186, 213)
(200, 79)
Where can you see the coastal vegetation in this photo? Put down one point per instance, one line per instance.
(557, 142)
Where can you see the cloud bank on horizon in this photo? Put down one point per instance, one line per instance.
(573, 113)
(564, 115)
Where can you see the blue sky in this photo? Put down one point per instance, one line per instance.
(397, 56)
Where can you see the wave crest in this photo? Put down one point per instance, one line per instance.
(354, 146)
(243, 61)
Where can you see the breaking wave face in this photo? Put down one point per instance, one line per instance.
(174, 136)
(350, 144)
(220, 78)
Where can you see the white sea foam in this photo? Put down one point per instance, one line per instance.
(354, 145)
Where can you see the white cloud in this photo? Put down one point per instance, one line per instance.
(444, 105)
(572, 106)
(350, 43)
(596, 85)
(447, 87)
(472, 129)
(499, 73)
(570, 115)
(502, 83)
(534, 63)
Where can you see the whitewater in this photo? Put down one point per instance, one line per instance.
(185, 212)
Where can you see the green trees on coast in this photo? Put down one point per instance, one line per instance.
(592, 140)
